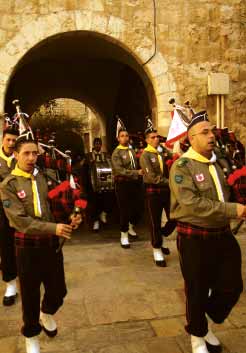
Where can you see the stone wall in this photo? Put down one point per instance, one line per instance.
(194, 37)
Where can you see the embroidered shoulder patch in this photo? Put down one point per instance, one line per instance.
(182, 162)
(21, 194)
(179, 178)
(200, 177)
(6, 203)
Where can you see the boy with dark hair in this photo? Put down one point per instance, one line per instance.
(127, 177)
(157, 194)
(24, 195)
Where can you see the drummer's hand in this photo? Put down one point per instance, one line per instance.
(64, 230)
(76, 221)
(140, 172)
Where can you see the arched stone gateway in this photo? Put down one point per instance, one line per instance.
(81, 55)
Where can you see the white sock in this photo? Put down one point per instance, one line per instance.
(32, 345)
(131, 230)
(48, 321)
(163, 242)
(11, 288)
(124, 238)
(211, 338)
(96, 225)
(158, 255)
(198, 345)
(103, 217)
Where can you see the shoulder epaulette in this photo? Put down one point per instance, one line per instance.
(8, 179)
(182, 162)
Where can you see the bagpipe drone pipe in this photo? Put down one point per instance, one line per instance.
(231, 157)
(233, 151)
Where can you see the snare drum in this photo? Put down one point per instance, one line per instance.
(101, 176)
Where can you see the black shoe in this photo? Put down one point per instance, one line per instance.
(165, 251)
(49, 333)
(161, 263)
(8, 301)
(213, 349)
(127, 246)
(133, 237)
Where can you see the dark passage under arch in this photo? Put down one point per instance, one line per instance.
(90, 68)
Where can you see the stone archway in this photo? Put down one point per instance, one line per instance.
(153, 77)
(61, 115)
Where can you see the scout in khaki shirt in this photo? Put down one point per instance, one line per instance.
(7, 249)
(210, 256)
(127, 178)
(157, 194)
(24, 195)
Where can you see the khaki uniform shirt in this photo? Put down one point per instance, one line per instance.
(122, 164)
(152, 172)
(4, 172)
(4, 169)
(17, 199)
(194, 198)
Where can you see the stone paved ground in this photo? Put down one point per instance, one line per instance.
(119, 302)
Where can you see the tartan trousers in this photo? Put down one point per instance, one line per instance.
(129, 196)
(7, 249)
(38, 266)
(157, 199)
(209, 260)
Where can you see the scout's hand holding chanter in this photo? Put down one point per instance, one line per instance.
(78, 214)
(79, 208)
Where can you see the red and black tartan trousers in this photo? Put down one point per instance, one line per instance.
(157, 199)
(39, 263)
(7, 248)
(210, 261)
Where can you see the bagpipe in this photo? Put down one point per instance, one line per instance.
(65, 194)
(232, 152)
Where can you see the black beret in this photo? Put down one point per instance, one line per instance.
(197, 118)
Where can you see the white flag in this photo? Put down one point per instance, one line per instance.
(176, 130)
